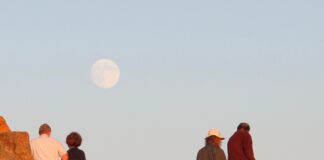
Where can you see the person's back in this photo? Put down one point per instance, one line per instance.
(76, 154)
(211, 152)
(239, 146)
(46, 148)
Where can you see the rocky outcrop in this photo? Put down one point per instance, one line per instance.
(13, 145)
(3, 125)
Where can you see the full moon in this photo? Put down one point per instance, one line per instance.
(105, 73)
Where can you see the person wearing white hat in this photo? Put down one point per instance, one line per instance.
(212, 149)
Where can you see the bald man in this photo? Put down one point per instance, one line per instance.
(46, 148)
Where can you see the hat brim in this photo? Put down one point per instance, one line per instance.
(222, 138)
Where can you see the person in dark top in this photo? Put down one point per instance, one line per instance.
(212, 149)
(239, 146)
(74, 140)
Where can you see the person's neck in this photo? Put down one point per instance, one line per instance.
(44, 135)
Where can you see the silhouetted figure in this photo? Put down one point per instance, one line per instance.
(74, 140)
(46, 148)
(239, 146)
(212, 149)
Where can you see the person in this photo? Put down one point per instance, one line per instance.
(74, 140)
(212, 149)
(46, 148)
(239, 146)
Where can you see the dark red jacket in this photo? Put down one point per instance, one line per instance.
(239, 146)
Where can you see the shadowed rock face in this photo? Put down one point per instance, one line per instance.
(13, 145)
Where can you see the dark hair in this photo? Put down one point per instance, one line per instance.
(245, 126)
(74, 139)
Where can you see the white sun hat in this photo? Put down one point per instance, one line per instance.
(215, 132)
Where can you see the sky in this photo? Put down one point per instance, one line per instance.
(185, 67)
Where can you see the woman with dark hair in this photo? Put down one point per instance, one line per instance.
(74, 140)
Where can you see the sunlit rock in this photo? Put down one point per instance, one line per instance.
(13, 145)
(3, 125)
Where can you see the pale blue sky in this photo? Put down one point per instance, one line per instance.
(186, 67)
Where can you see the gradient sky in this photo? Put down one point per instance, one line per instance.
(186, 66)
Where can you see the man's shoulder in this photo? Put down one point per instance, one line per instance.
(210, 148)
(75, 150)
(234, 136)
(241, 133)
(245, 134)
(203, 149)
(53, 140)
(35, 140)
(45, 140)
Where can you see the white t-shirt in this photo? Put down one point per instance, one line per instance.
(46, 148)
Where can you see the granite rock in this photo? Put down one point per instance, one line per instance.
(14, 145)
(3, 125)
